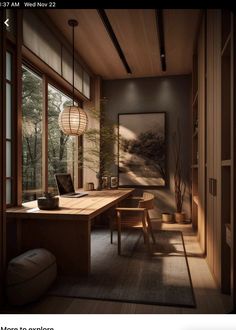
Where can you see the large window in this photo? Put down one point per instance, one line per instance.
(57, 149)
(32, 112)
(61, 147)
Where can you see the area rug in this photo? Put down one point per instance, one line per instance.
(135, 276)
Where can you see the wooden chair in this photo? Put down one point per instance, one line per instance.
(136, 217)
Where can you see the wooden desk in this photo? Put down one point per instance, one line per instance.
(66, 231)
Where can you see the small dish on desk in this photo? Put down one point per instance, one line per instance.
(48, 202)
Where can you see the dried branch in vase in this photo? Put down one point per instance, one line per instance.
(180, 185)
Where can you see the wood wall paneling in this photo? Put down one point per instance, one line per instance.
(194, 118)
(217, 145)
(219, 138)
(226, 130)
(201, 136)
(210, 138)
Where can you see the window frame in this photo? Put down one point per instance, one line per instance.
(11, 49)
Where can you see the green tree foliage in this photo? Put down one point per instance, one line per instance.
(99, 154)
(58, 143)
(60, 146)
(32, 100)
(180, 184)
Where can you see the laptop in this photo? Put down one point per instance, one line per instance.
(65, 186)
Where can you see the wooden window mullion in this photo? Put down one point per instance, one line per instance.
(18, 122)
(45, 136)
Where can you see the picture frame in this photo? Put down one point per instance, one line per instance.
(105, 182)
(114, 182)
(142, 149)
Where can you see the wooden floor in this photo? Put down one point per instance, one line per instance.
(208, 298)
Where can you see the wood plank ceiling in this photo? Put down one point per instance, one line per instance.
(136, 32)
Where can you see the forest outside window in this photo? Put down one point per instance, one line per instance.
(61, 147)
(32, 113)
(60, 150)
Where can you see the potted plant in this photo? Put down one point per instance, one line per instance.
(179, 182)
(167, 217)
(99, 155)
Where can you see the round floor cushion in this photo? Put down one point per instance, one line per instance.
(29, 276)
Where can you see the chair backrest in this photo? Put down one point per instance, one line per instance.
(147, 202)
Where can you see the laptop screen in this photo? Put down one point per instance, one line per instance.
(64, 184)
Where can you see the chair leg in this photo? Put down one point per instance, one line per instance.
(144, 235)
(119, 231)
(145, 231)
(150, 228)
(111, 228)
(111, 223)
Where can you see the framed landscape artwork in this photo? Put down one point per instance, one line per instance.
(142, 149)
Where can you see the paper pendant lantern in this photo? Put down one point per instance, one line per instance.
(73, 121)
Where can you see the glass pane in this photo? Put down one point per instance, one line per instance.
(86, 84)
(8, 191)
(8, 159)
(60, 146)
(8, 65)
(8, 110)
(32, 111)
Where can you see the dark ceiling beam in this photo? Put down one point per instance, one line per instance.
(160, 32)
(112, 35)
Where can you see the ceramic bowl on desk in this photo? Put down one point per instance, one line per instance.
(48, 202)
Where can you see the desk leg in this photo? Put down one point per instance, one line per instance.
(68, 240)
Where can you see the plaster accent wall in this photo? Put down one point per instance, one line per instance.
(171, 95)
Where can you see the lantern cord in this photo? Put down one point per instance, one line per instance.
(73, 79)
